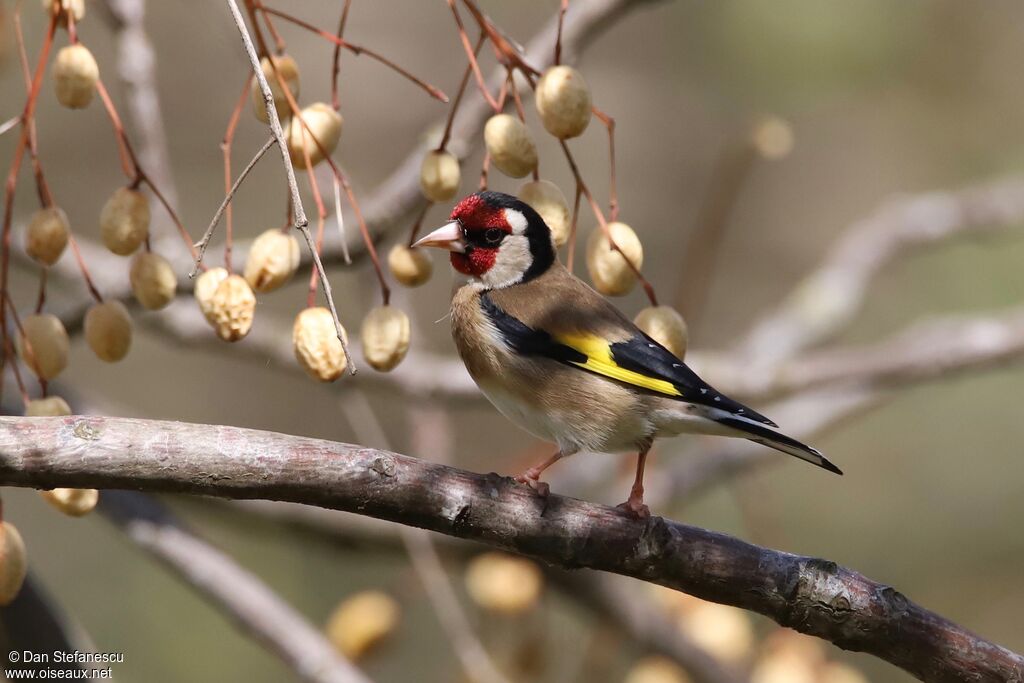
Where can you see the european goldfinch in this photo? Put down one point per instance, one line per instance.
(559, 360)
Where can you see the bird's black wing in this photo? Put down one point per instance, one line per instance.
(639, 361)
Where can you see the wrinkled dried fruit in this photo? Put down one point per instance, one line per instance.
(385, 336)
(316, 344)
(205, 287)
(108, 330)
(51, 406)
(62, 7)
(153, 281)
(272, 260)
(232, 308)
(664, 325)
(656, 669)
(724, 632)
(75, 73)
(411, 267)
(361, 622)
(13, 563)
(510, 145)
(563, 102)
(503, 583)
(47, 235)
(43, 345)
(608, 270)
(440, 176)
(547, 200)
(289, 71)
(325, 125)
(72, 502)
(124, 221)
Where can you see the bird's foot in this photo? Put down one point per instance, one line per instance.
(532, 479)
(635, 505)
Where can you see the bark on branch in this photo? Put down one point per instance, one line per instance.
(811, 595)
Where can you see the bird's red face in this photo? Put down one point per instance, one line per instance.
(494, 238)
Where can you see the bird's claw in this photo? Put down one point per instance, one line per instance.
(534, 483)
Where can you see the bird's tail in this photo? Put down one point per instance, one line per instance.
(763, 435)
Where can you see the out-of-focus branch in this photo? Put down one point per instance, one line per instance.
(635, 619)
(927, 350)
(256, 609)
(811, 595)
(829, 298)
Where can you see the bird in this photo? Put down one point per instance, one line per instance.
(561, 361)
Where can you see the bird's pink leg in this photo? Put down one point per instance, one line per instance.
(531, 477)
(635, 502)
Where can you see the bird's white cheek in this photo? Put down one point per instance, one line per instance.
(512, 261)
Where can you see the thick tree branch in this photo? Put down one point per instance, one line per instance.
(811, 595)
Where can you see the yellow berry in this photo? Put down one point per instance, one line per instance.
(124, 221)
(47, 235)
(410, 267)
(609, 271)
(503, 583)
(324, 125)
(289, 71)
(547, 200)
(232, 308)
(205, 287)
(385, 337)
(656, 669)
(75, 73)
(563, 102)
(272, 260)
(62, 7)
(510, 145)
(664, 325)
(152, 279)
(439, 176)
(316, 344)
(361, 622)
(72, 502)
(108, 330)
(51, 406)
(13, 563)
(43, 345)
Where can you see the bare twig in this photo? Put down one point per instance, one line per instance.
(255, 608)
(205, 241)
(298, 213)
(811, 595)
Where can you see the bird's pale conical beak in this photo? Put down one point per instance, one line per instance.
(448, 236)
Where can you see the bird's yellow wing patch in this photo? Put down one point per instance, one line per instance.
(600, 360)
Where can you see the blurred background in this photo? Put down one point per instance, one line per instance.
(883, 99)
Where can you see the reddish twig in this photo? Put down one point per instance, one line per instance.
(357, 50)
(336, 58)
(225, 146)
(582, 187)
(471, 56)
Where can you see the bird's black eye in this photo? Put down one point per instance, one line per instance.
(493, 235)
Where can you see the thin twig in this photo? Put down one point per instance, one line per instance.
(205, 241)
(299, 214)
